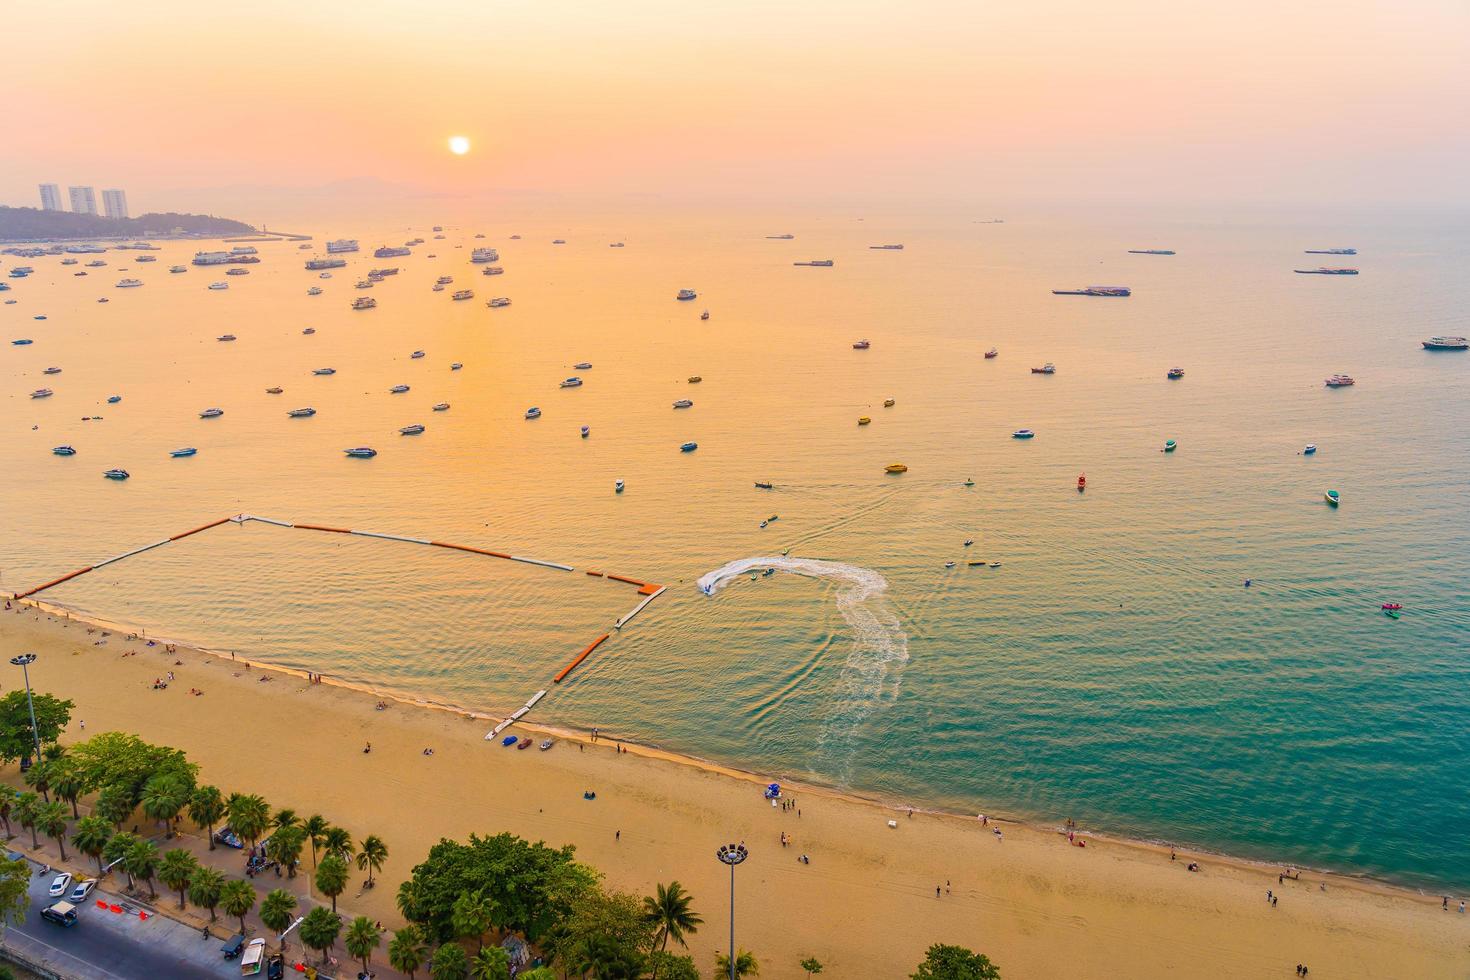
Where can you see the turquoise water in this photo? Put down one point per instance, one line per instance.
(1114, 669)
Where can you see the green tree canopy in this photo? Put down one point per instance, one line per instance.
(361, 939)
(206, 889)
(406, 950)
(668, 966)
(490, 963)
(117, 759)
(745, 965)
(52, 715)
(449, 963)
(207, 808)
(249, 815)
(237, 898)
(331, 877)
(943, 962)
(606, 933)
(176, 870)
(91, 837)
(277, 910)
(15, 899)
(811, 965)
(320, 929)
(51, 821)
(669, 911)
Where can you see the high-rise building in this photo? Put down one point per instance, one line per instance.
(50, 197)
(83, 200)
(114, 203)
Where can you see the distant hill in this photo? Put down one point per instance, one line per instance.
(33, 223)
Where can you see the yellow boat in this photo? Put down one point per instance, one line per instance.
(895, 468)
(888, 403)
(864, 420)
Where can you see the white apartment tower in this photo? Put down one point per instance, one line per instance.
(83, 200)
(114, 203)
(50, 197)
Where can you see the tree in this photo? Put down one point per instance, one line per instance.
(811, 965)
(27, 812)
(91, 837)
(38, 778)
(316, 828)
(371, 854)
(667, 966)
(449, 963)
(207, 808)
(7, 807)
(206, 889)
(406, 950)
(277, 910)
(15, 899)
(319, 930)
(16, 741)
(362, 938)
(141, 861)
(745, 965)
(490, 963)
(606, 933)
(237, 898)
(126, 761)
(51, 821)
(117, 848)
(285, 817)
(164, 798)
(67, 784)
(668, 911)
(943, 962)
(285, 846)
(339, 842)
(331, 878)
(176, 869)
(472, 916)
(115, 804)
(249, 815)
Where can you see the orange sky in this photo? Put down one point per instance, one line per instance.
(1008, 100)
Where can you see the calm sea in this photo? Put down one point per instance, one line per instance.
(1115, 668)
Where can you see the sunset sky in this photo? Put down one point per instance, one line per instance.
(191, 104)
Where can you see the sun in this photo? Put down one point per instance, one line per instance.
(459, 145)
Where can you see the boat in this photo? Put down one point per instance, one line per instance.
(524, 744)
(416, 354)
(558, 241)
(862, 345)
(685, 294)
(438, 287)
(361, 452)
(96, 264)
(583, 365)
(1023, 434)
(1446, 343)
(816, 263)
(398, 389)
(131, 283)
(571, 383)
(274, 390)
(688, 447)
(117, 474)
(52, 370)
(1170, 445)
(764, 486)
(695, 379)
(64, 451)
(225, 337)
(498, 302)
(444, 281)
(1340, 381)
(1082, 483)
(308, 331)
(1150, 251)
(617, 486)
(363, 284)
(1332, 497)
(683, 403)
(949, 564)
(316, 264)
(616, 244)
(22, 342)
(1326, 271)
(411, 430)
(455, 366)
(113, 399)
(314, 291)
(237, 272)
(586, 431)
(480, 256)
(219, 285)
(461, 294)
(546, 744)
(887, 248)
(301, 413)
(441, 407)
(391, 251)
(533, 413)
(211, 413)
(969, 541)
(1094, 291)
(1330, 251)
(969, 482)
(342, 245)
(781, 238)
(1310, 450)
(895, 468)
(68, 261)
(1391, 606)
(492, 270)
(704, 315)
(995, 564)
(1047, 368)
(103, 299)
(178, 268)
(864, 420)
(181, 453)
(364, 303)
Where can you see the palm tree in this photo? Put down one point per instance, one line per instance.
(176, 869)
(38, 778)
(471, 916)
(276, 910)
(115, 803)
(669, 913)
(362, 938)
(162, 800)
(337, 841)
(409, 895)
(285, 846)
(745, 965)
(67, 783)
(205, 889)
(27, 809)
(51, 821)
(285, 817)
(91, 837)
(371, 854)
(316, 828)
(319, 930)
(141, 861)
(406, 950)
(331, 878)
(490, 963)
(237, 898)
(117, 848)
(249, 816)
(7, 805)
(207, 808)
(449, 963)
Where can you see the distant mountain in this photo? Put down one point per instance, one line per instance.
(33, 223)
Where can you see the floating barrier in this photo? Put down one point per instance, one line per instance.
(639, 608)
(202, 527)
(135, 551)
(53, 583)
(322, 527)
(465, 547)
(520, 713)
(580, 657)
(392, 537)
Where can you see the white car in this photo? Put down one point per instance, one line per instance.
(82, 890)
(59, 885)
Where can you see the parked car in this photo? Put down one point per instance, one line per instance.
(63, 914)
(82, 890)
(276, 968)
(59, 885)
(228, 837)
(232, 948)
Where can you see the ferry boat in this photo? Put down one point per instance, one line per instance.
(128, 283)
(391, 251)
(181, 453)
(492, 270)
(688, 447)
(219, 285)
(685, 294)
(342, 245)
(498, 302)
(315, 264)
(1095, 291)
(862, 345)
(683, 403)
(992, 353)
(225, 337)
(1023, 434)
(463, 294)
(441, 407)
(1170, 445)
(211, 258)
(1047, 368)
(363, 284)
(376, 274)
(572, 383)
(816, 263)
(178, 268)
(411, 430)
(438, 287)
(64, 451)
(1325, 271)
(117, 474)
(1340, 381)
(361, 452)
(42, 393)
(364, 303)
(1332, 497)
(398, 390)
(1150, 251)
(324, 371)
(301, 413)
(68, 261)
(887, 248)
(895, 468)
(482, 255)
(211, 413)
(314, 291)
(1176, 373)
(146, 258)
(1330, 251)
(444, 280)
(533, 413)
(1446, 343)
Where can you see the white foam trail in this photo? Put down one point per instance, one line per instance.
(870, 678)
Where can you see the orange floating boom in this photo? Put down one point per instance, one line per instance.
(649, 588)
(322, 527)
(630, 581)
(57, 581)
(202, 527)
(580, 657)
(465, 547)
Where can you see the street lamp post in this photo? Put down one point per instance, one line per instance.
(732, 854)
(24, 662)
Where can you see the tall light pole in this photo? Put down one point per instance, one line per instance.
(24, 662)
(732, 854)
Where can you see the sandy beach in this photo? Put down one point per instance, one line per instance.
(865, 905)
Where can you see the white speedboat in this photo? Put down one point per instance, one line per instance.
(314, 291)
(533, 413)
(181, 453)
(442, 407)
(411, 430)
(416, 354)
(211, 413)
(398, 389)
(324, 371)
(219, 285)
(686, 294)
(683, 403)
(42, 393)
(361, 452)
(498, 302)
(455, 366)
(583, 365)
(572, 383)
(129, 283)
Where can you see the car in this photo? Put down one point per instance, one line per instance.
(82, 889)
(276, 968)
(232, 948)
(63, 914)
(59, 885)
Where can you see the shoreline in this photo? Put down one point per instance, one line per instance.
(647, 750)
